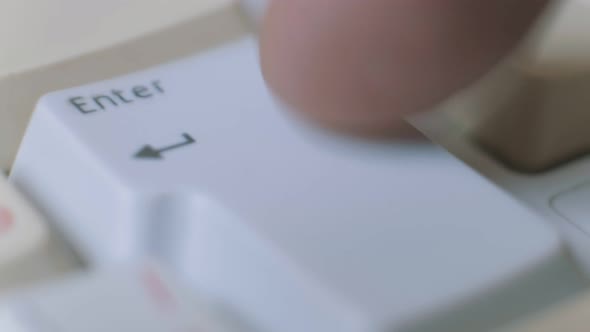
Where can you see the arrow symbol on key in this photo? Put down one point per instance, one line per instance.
(149, 152)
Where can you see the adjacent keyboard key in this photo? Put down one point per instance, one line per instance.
(531, 112)
(194, 163)
(540, 122)
(57, 44)
(28, 250)
(129, 300)
(561, 43)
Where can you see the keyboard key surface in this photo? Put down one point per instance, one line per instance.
(129, 299)
(57, 44)
(194, 163)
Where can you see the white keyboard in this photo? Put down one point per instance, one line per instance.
(180, 195)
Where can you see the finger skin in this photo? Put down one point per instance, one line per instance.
(360, 65)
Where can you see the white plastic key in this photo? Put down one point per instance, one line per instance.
(52, 45)
(194, 163)
(28, 249)
(127, 300)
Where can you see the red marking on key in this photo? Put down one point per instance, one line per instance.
(158, 289)
(6, 219)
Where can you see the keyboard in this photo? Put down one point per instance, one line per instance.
(154, 183)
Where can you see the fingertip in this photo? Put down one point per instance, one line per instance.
(361, 66)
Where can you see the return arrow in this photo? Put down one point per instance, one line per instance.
(149, 152)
